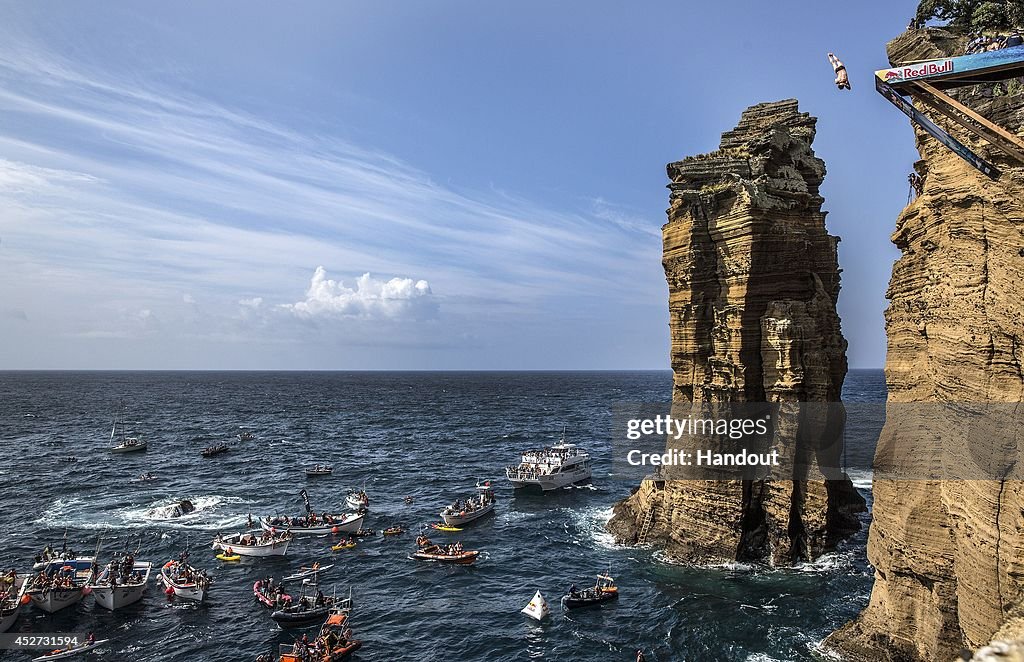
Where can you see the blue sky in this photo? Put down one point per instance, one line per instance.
(443, 185)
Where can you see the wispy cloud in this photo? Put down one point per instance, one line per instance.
(130, 194)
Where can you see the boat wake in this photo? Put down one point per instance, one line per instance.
(211, 511)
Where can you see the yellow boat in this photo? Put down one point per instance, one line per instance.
(443, 527)
(343, 545)
(228, 557)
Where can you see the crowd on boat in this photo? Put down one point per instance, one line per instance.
(305, 521)
(120, 571)
(61, 578)
(471, 504)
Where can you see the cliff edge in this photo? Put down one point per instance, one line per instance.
(948, 548)
(753, 281)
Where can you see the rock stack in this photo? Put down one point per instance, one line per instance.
(753, 281)
(947, 541)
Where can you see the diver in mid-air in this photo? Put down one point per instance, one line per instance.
(842, 78)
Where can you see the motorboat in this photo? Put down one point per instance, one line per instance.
(246, 435)
(313, 524)
(603, 591)
(61, 583)
(121, 583)
(214, 451)
(472, 509)
(311, 607)
(551, 468)
(12, 590)
(319, 470)
(184, 581)
(70, 651)
(250, 544)
(119, 434)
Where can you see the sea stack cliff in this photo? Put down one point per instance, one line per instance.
(753, 282)
(947, 543)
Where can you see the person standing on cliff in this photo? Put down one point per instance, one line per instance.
(842, 78)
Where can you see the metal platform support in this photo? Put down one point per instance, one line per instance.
(970, 120)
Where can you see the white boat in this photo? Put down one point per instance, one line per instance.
(184, 581)
(472, 509)
(119, 433)
(62, 653)
(251, 544)
(339, 523)
(537, 608)
(358, 500)
(551, 468)
(113, 592)
(12, 589)
(311, 571)
(320, 470)
(61, 583)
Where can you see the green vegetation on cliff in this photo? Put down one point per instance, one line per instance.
(974, 15)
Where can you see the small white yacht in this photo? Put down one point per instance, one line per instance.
(121, 583)
(61, 583)
(552, 467)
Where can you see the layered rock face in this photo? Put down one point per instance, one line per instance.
(753, 282)
(948, 549)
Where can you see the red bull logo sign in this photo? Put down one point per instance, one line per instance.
(912, 72)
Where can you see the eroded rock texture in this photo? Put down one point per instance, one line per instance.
(753, 281)
(948, 553)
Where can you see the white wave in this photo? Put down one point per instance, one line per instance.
(762, 657)
(594, 523)
(861, 479)
(212, 512)
(826, 563)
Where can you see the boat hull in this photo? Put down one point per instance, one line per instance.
(305, 574)
(70, 653)
(550, 482)
(129, 449)
(54, 600)
(349, 525)
(184, 591)
(118, 596)
(465, 558)
(288, 619)
(569, 602)
(278, 548)
(10, 609)
(458, 519)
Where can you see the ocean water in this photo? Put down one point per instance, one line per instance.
(427, 435)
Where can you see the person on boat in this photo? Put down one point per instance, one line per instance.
(90, 639)
(842, 77)
(572, 590)
(640, 655)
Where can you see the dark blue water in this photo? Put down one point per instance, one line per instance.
(429, 435)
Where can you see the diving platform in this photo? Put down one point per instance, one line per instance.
(928, 82)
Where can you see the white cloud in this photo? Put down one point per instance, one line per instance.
(253, 303)
(369, 298)
(188, 298)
